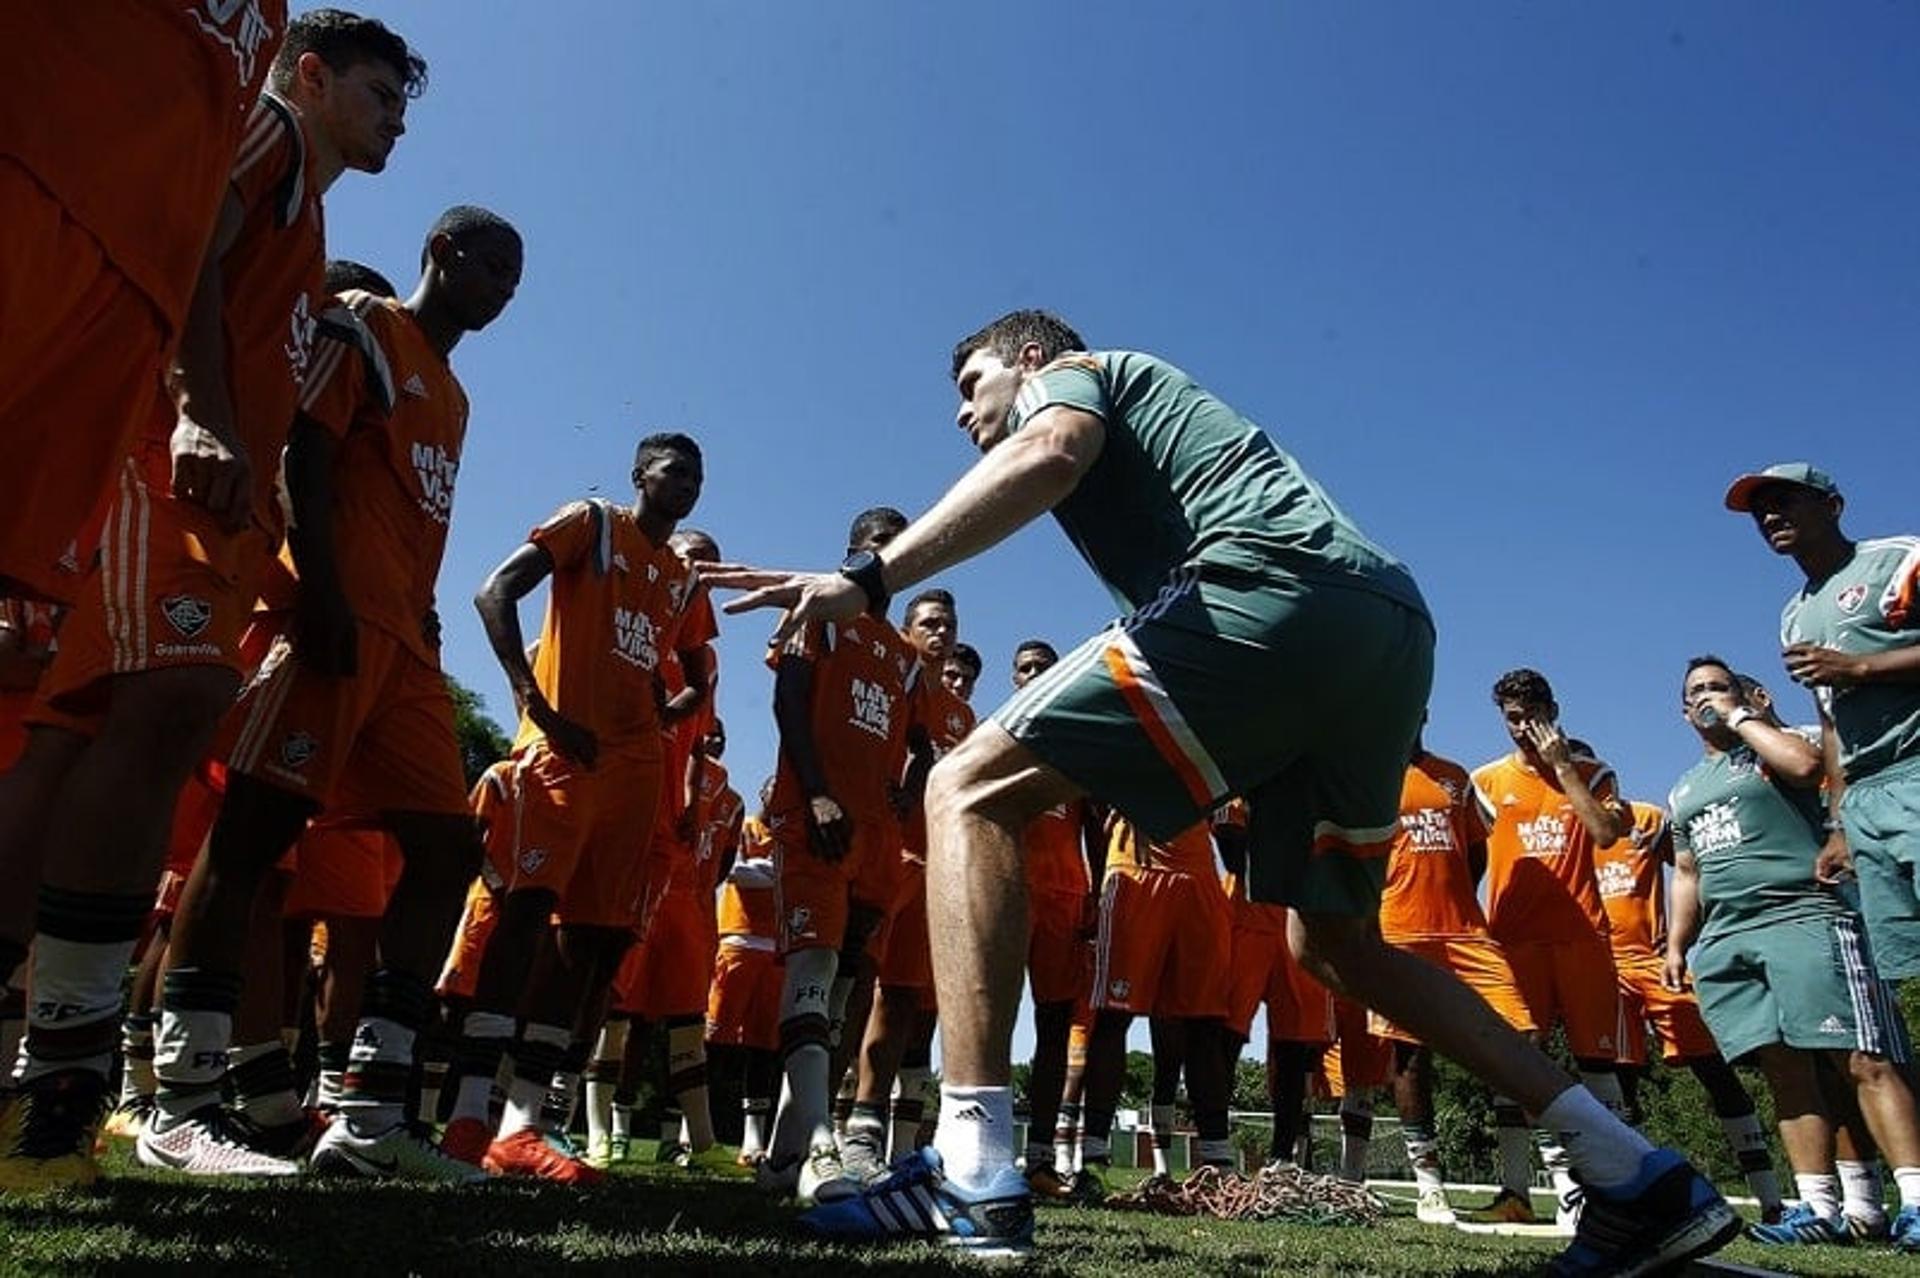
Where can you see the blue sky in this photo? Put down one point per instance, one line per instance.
(1523, 285)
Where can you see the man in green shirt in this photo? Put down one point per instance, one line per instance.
(1783, 968)
(1852, 635)
(1267, 650)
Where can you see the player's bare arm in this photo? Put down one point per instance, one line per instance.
(1818, 667)
(921, 757)
(1605, 821)
(697, 662)
(325, 632)
(210, 464)
(829, 828)
(1020, 479)
(498, 603)
(1683, 919)
(1835, 863)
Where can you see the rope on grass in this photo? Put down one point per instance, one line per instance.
(1280, 1193)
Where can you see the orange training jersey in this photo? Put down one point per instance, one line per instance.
(1540, 878)
(708, 790)
(1430, 889)
(619, 604)
(721, 835)
(399, 417)
(1189, 852)
(129, 112)
(947, 720)
(272, 277)
(1054, 860)
(746, 914)
(1632, 887)
(865, 678)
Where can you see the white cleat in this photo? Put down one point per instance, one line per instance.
(823, 1179)
(400, 1152)
(1434, 1209)
(207, 1143)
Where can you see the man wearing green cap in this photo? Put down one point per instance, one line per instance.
(1852, 635)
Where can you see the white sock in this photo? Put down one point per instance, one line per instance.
(1423, 1155)
(190, 1058)
(1820, 1192)
(474, 1097)
(599, 1113)
(1749, 1142)
(753, 1136)
(623, 1122)
(1516, 1148)
(1605, 1151)
(1908, 1179)
(1862, 1190)
(1066, 1139)
(527, 1096)
(975, 1139)
(1161, 1118)
(687, 1059)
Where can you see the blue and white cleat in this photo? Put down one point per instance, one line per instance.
(1670, 1214)
(1802, 1226)
(916, 1200)
(1906, 1230)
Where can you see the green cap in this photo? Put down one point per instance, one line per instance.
(1801, 474)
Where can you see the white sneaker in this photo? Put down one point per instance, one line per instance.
(1566, 1213)
(401, 1152)
(207, 1143)
(1434, 1209)
(823, 1179)
(861, 1160)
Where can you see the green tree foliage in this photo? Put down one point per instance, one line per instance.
(482, 741)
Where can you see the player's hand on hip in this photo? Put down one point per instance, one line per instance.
(212, 472)
(1817, 667)
(569, 740)
(1673, 974)
(807, 596)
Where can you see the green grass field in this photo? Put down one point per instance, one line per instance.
(662, 1220)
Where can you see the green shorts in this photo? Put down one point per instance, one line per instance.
(1303, 698)
(1805, 982)
(1881, 815)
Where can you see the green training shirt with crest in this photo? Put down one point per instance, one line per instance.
(1753, 839)
(1185, 482)
(1871, 604)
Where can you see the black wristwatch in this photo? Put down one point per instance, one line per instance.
(865, 570)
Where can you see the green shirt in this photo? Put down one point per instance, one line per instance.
(1753, 840)
(1185, 482)
(1871, 604)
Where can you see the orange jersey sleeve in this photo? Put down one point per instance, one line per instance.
(747, 906)
(1541, 885)
(1430, 890)
(1632, 883)
(131, 114)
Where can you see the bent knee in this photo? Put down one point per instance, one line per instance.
(991, 777)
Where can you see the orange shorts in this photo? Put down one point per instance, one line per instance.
(1481, 966)
(1358, 1060)
(670, 973)
(1299, 1009)
(382, 741)
(815, 897)
(578, 834)
(906, 961)
(173, 589)
(1165, 946)
(462, 972)
(1649, 1007)
(743, 1006)
(1059, 956)
(343, 868)
(81, 356)
(1571, 983)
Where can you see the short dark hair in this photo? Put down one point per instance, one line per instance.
(342, 40)
(1529, 687)
(936, 595)
(462, 222)
(1012, 331)
(1705, 659)
(343, 275)
(1036, 645)
(662, 442)
(967, 655)
(872, 520)
(685, 537)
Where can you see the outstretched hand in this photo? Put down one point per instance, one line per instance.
(806, 596)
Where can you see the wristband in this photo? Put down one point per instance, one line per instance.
(1740, 715)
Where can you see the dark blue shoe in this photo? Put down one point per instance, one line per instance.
(1669, 1215)
(1801, 1227)
(1906, 1230)
(916, 1200)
